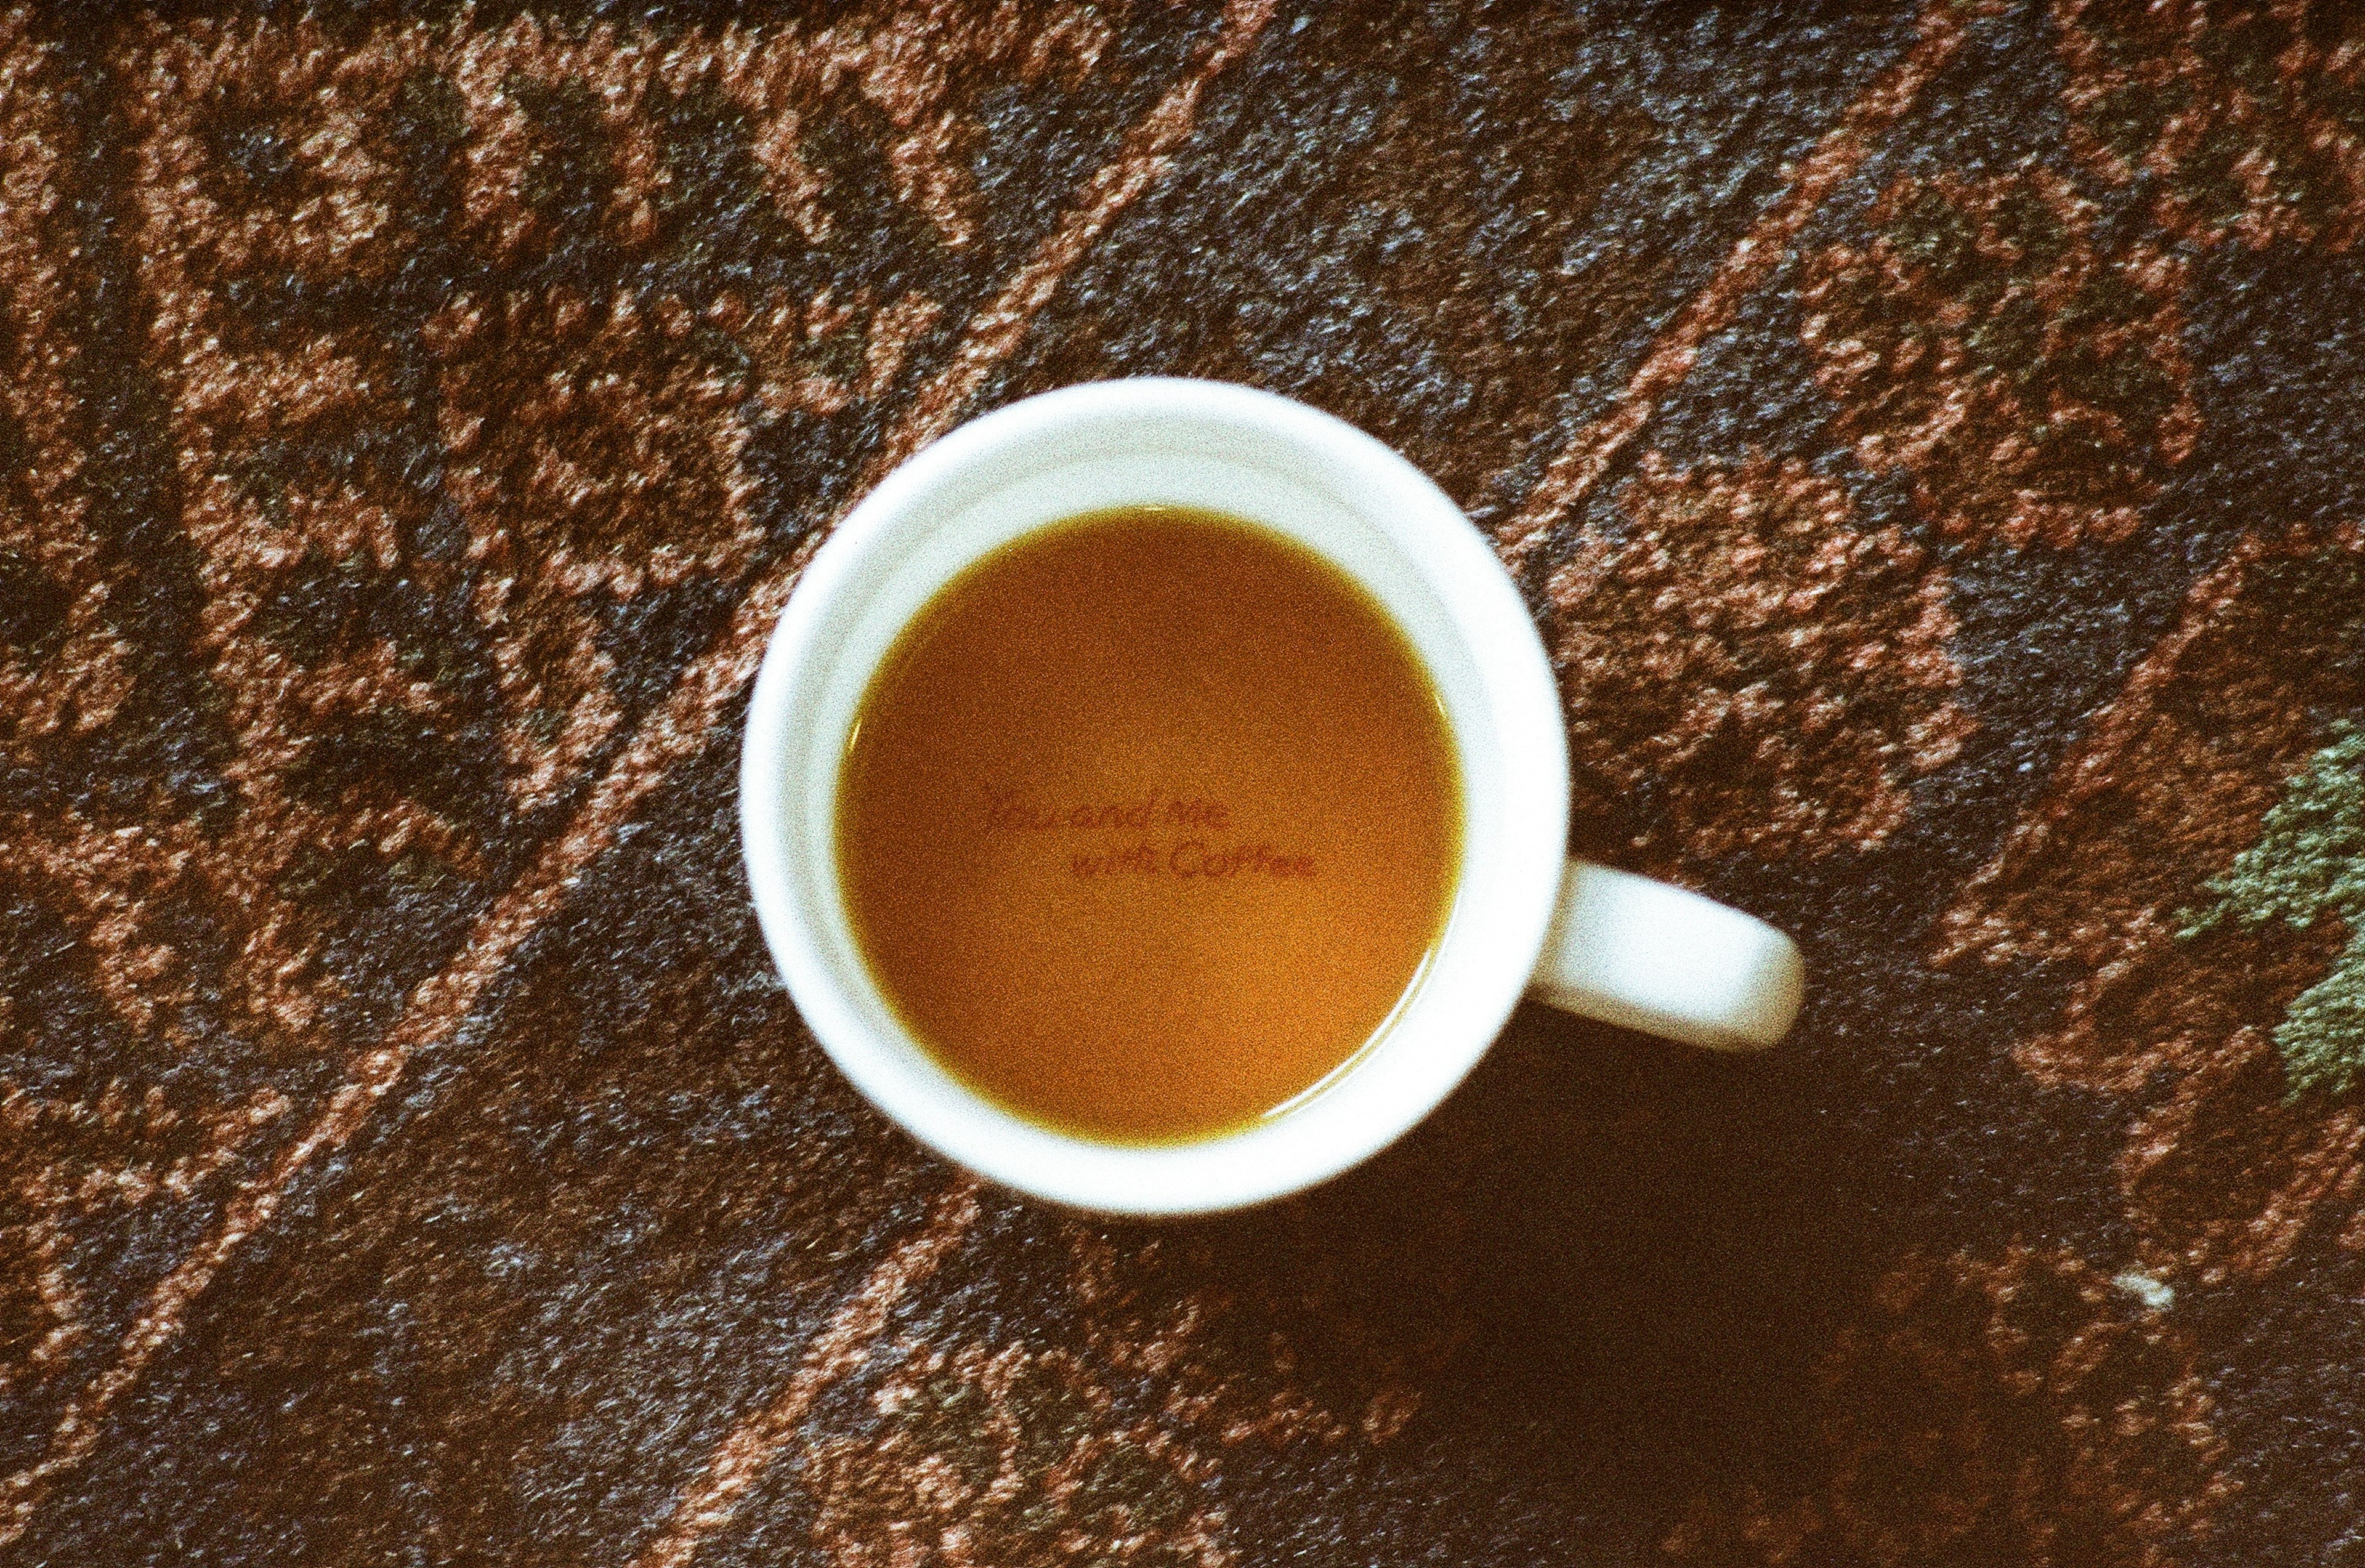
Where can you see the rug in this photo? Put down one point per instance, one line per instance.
(1927, 435)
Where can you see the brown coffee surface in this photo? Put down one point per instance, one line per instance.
(1148, 822)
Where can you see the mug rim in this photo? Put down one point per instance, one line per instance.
(1483, 972)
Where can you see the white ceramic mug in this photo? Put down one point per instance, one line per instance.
(1525, 920)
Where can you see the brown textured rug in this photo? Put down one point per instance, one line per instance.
(1928, 435)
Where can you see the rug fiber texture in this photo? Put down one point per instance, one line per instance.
(1927, 434)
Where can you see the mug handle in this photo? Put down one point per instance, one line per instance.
(1631, 951)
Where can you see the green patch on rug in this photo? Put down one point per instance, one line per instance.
(2309, 863)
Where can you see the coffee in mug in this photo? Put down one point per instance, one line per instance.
(1149, 822)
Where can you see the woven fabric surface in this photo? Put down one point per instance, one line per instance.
(1928, 438)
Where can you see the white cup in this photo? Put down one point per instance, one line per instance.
(1525, 920)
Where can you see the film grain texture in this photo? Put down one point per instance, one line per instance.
(1925, 432)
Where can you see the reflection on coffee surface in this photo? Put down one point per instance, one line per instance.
(1148, 822)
